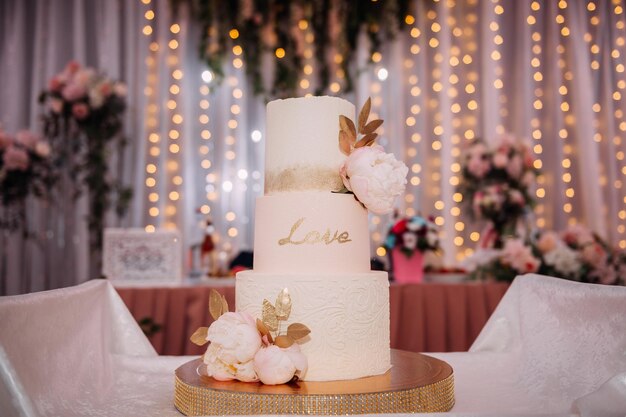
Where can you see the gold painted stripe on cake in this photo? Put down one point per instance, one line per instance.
(303, 179)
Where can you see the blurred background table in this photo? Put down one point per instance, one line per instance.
(430, 317)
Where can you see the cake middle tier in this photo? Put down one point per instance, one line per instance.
(310, 232)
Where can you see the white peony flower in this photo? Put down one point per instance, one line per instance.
(563, 259)
(376, 178)
(274, 365)
(235, 337)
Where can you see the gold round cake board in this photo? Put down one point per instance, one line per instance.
(415, 383)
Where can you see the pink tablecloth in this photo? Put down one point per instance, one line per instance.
(424, 317)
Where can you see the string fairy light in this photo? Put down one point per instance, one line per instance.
(467, 65)
(175, 180)
(617, 96)
(537, 131)
(206, 136)
(151, 124)
(306, 85)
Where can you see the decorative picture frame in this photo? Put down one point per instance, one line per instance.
(136, 255)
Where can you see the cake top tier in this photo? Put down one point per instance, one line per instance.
(302, 150)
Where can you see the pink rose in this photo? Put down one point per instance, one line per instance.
(73, 91)
(519, 257)
(500, 160)
(80, 110)
(594, 254)
(120, 89)
(15, 159)
(72, 67)
(514, 168)
(5, 139)
(577, 235)
(517, 197)
(55, 84)
(42, 149)
(27, 138)
(376, 178)
(84, 77)
(105, 89)
(547, 242)
(275, 366)
(56, 105)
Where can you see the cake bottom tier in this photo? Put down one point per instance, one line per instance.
(348, 315)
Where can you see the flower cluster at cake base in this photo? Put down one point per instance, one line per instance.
(250, 350)
(374, 177)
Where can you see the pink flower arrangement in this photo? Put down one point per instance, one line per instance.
(576, 254)
(81, 92)
(413, 234)
(83, 118)
(495, 184)
(24, 169)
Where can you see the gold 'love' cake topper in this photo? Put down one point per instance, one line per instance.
(313, 236)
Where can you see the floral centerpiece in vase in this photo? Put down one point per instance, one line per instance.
(406, 241)
(495, 187)
(25, 169)
(83, 121)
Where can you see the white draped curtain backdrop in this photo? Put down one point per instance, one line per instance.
(548, 71)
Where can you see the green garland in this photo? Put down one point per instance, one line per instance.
(264, 25)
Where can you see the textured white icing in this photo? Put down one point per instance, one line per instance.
(302, 133)
(348, 315)
(322, 212)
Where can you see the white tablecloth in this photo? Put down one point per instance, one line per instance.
(547, 350)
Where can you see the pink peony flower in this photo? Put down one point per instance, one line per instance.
(5, 139)
(73, 91)
(105, 88)
(27, 138)
(56, 105)
(120, 89)
(84, 77)
(594, 254)
(519, 257)
(15, 159)
(577, 235)
(80, 110)
(72, 67)
(514, 168)
(500, 160)
(275, 365)
(376, 178)
(547, 242)
(55, 84)
(42, 149)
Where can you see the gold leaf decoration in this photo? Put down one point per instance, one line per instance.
(224, 305)
(269, 316)
(283, 305)
(199, 336)
(367, 140)
(297, 331)
(284, 341)
(344, 143)
(347, 126)
(372, 126)
(262, 328)
(216, 307)
(364, 114)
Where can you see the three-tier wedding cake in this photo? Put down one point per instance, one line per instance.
(315, 242)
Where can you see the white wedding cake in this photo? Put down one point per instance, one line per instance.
(315, 243)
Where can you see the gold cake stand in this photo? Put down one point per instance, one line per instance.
(415, 383)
